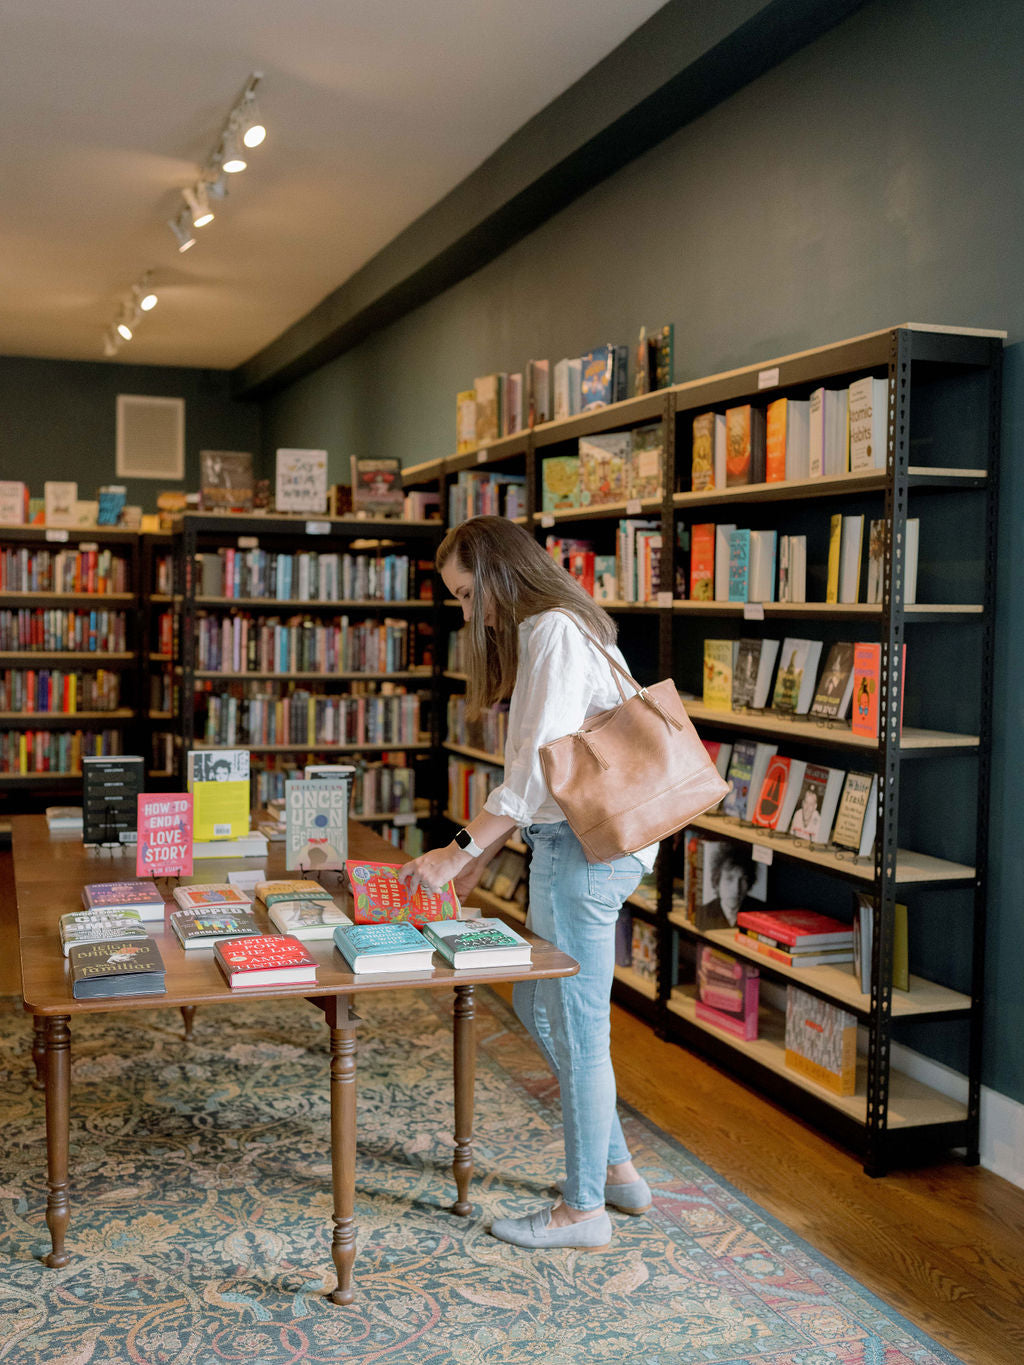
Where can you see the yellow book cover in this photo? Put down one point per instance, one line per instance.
(703, 470)
(465, 421)
(718, 661)
(835, 542)
(219, 782)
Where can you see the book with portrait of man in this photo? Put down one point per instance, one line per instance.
(732, 882)
(225, 480)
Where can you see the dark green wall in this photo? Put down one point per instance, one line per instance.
(873, 178)
(59, 421)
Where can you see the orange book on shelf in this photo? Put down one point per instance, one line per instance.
(702, 562)
(775, 441)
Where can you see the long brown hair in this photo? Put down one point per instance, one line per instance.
(510, 570)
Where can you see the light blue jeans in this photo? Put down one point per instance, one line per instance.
(575, 904)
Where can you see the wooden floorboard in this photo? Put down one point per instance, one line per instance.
(944, 1245)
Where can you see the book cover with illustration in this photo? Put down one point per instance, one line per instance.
(316, 824)
(291, 890)
(719, 658)
(218, 781)
(301, 481)
(377, 486)
(727, 992)
(202, 928)
(604, 468)
(379, 897)
(212, 896)
(798, 669)
(90, 926)
(165, 835)
(225, 480)
(478, 943)
(140, 896)
(114, 967)
(560, 483)
(835, 686)
(821, 1041)
(306, 919)
(384, 947)
(645, 464)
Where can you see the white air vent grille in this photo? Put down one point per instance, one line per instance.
(150, 437)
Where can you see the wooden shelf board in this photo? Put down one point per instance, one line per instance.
(341, 605)
(29, 718)
(313, 677)
(828, 485)
(318, 748)
(638, 983)
(924, 997)
(25, 595)
(486, 900)
(911, 1104)
(497, 760)
(783, 727)
(649, 507)
(78, 655)
(910, 866)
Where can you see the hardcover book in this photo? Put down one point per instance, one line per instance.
(708, 437)
(719, 661)
(383, 947)
(13, 502)
(741, 767)
(89, 926)
(300, 483)
(165, 835)
(702, 562)
(316, 824)
(114, 967)
(377, 486)
(604, 468)
(142, 897)
(488, 410)
(110, 789)
(798, 669)
(867, 672)
(560, 482)
(739, 565)
(266, 960)
(465, 421)
(645, 464)
(869, 418)
(835, 686)
(60, 497)
(270, 893)
(821, 1041)
(776, 794)
(744, 445)
(797, 928)
(202, 928)
(306, 919)
(379, 897)
(816, 803)
(478, 943)
(212, 896)
(823, 957)
(225, 480)
(857, 816)
(597, 373)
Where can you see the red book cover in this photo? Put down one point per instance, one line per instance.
(775, 460)
(795, 926)
(164, 848)
(267, 960)
(380, 898)
(702, 562)
(773, 793)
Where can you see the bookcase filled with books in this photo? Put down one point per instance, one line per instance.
(805, 546)
(158, 686)
(314, 640)
(68, 650)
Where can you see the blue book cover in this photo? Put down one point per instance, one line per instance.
(596, 375)
(739, 565)
(383, 947)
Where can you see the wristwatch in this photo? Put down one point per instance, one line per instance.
(468, 844)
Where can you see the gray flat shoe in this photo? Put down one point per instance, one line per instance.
(534, 1231)
(633, 1197)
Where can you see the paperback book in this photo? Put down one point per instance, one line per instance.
(115, 967)
(202, 928)
(816, 803)
(383, 947)
(796, 929)
(379, 897)
(857, 816)
(377, 486)
(90, 926)
(110, 789)
(301, 481)
(212, 896)
(264, 960)
(306, 919)
(835, 686)
(821, 1041)
(727, 992)
(798, 669)
(164, 848)
(225, 480)
(478, 943)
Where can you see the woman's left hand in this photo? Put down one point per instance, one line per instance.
(432, 870)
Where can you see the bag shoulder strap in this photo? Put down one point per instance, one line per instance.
(618, 670)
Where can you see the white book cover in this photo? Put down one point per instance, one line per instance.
(850, 550)
(761, 586)
(798, 436)
(12, 502)
(723, 545)
(60, 497)
(720, 450)
(301, 483)
(816, 435)
(910, 562)
(798, 671)
(837, 431)
(765, 672)
(869, 417)
(560, 390)
(798, 568)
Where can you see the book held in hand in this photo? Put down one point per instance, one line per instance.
(212, 896)
(88, 926)
(116, 966)
(379, 897)
(202, 928)
(265, 960)
(478, 943)
(140, 896)
(383, 947)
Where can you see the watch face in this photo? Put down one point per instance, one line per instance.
(463, 838)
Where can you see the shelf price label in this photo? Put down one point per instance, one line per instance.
(760, 854)
(318, 528)
(768, 379)
(633, 508)
(547, 520)
(753, 611)
(248, 542)
(56, 535)
(404, 818)
(482, 454)
(664, 599)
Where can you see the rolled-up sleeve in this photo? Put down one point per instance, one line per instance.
(550, 699)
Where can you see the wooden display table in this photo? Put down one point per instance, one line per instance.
(50, 871)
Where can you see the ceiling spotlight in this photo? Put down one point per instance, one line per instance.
(124, 331)
(182, 229)
(253, 129)
(198, 204)
(147, 302)
(143, 296)
(232, 158)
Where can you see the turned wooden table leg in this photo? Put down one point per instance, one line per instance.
(188, 1015)
(39, 1050)
(58, 1107)
(342, 1023)
(464, 1040)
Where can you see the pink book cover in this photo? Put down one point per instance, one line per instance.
(727, 992)
(165, 835)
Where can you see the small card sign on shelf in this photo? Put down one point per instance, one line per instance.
(301, 484)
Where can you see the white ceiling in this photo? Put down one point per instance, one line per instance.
(374, 110)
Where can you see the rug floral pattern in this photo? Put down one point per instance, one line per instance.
(201, 1213)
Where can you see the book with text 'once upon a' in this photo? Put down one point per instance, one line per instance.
(797, 928)
(116, 966)
(212, 896)
(306, 919)
(202, 928)
(164, 848)
(264, 960)
(478, 943)
(316, 824)
(88, 926)
(143, 897)
(379, 897)
(821, 1041)
(727, 992)
(383, 947)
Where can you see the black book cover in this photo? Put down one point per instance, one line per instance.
(116, 966)
(110, 787)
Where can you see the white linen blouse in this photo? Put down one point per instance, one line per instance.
(561, 680)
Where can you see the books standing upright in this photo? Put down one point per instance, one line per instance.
(316, 824)
(218, 780)
(110, 790)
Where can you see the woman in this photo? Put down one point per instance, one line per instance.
(523, 648)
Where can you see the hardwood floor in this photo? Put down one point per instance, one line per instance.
(944, 1245)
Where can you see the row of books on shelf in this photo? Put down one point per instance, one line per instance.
(734, 564)
(818, 805)
(487, 732)
(86, 569)
(243, 643)
(382, 785)
(833, 431)
(27, 752)
(636, 945)
(309, 576)
(54, 691)
(612, 467)
(310, 718)
(631, 574)
(469, 785)
(755, 674)
(482, 492)
(60, 506)
(502, 403)
(505, 876)
(55, 630)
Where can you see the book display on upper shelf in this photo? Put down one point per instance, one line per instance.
(377, 486)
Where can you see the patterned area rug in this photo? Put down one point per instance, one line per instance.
(200, 1213)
